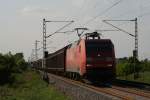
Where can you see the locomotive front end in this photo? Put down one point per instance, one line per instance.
(100, 59)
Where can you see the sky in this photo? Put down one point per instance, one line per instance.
(21, 23)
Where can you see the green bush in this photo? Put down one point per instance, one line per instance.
(30, 86)
(127, 66)
(10, 64)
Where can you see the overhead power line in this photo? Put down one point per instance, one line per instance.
(103, 12)
(144, 14)
(135, 52)
(117, 27)
(69, 22)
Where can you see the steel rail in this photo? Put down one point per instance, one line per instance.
(136, 92)
(108, 91)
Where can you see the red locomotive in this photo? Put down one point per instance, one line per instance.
(91, 58)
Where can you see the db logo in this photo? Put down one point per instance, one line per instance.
(98, 55)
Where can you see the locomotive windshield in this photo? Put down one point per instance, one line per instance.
(94, 47)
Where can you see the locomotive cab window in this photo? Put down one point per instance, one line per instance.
(95, 47)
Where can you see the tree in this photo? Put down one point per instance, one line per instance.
(10, 64)
(127, 66)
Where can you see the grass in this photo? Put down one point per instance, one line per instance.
(144, 77)
(29, 86)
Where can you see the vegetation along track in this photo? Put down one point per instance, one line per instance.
(115, 91)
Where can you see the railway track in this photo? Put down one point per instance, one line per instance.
(120, 92)
(116, 91)
(145, 94)
(110, 91)
(143, 86)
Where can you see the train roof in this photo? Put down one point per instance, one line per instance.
(58, 52)
(75, 43)
(107, 40)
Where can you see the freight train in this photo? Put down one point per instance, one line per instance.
(89, 58)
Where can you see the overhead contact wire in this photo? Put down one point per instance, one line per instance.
(103, 12)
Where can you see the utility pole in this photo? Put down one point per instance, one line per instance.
(135, 52)
(45, 52)
(44, 44)
(36, 54)
(45, 37)
(32, 55)
(45, 77)
(36, 49)
(136, 38)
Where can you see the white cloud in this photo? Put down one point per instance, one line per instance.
(78, 3)
(41, 11)
(34, 10)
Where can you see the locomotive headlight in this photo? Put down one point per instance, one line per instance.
(109, 65)
(88, 65)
